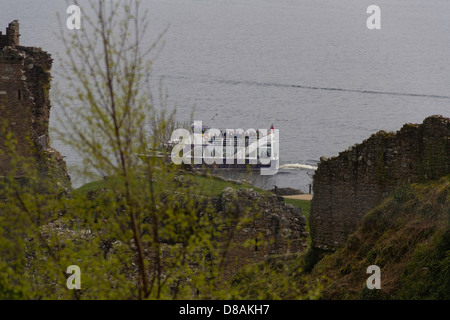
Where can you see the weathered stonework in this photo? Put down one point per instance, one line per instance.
(349, 185)
(276, 228)
(25, 104)
(11, 38)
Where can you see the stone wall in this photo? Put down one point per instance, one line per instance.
(349, 185)
(25, 104)
(14, 103)
(11, 38)
(275, 228)
(270, 227)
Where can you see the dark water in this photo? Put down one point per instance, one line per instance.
(311, 68)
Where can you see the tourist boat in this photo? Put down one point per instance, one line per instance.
(207, 148)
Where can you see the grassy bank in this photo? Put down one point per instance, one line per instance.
(205, 185)
(407, 236)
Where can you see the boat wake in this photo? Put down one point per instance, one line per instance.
(299, 86)
(298, 166)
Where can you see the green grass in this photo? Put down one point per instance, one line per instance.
(88, 187)
(407, 236)
(204, 185)
(305, 205)
(212, 187)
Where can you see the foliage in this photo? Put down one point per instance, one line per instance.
(140, 233)
(407, 236)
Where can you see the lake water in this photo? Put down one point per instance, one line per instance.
(311, 68)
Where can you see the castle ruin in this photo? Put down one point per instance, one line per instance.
(346, 187)
(25, 105)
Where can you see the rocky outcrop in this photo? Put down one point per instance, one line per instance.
(274, 227)
(349, 185)
(286, 191)
(252, 227)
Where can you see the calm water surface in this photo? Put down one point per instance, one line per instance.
(311, 68)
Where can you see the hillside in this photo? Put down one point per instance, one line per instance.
(407, 236)
(256, 223)
(205, 185)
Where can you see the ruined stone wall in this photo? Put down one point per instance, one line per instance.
(275, 228)
(268, 228)
(15, 104)
(349, 185)
(25, 105)
(11, 38)
(37, 66)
